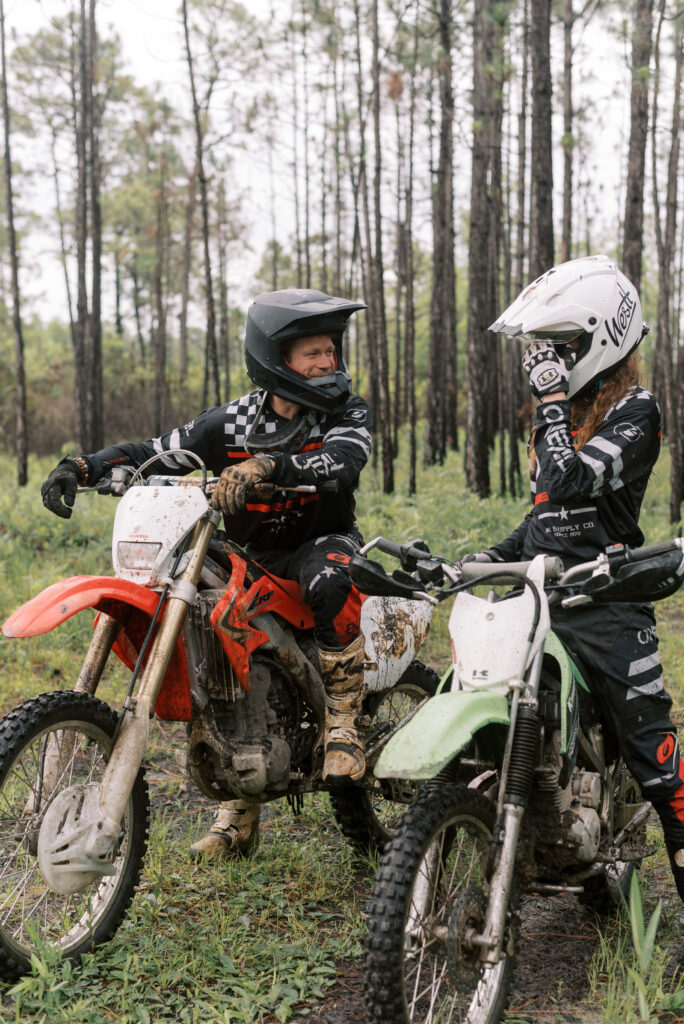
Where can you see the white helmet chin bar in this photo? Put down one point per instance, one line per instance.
(588, 298)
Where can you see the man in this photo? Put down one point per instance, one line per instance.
(302, 425)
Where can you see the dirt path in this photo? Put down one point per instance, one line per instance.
(551, 986)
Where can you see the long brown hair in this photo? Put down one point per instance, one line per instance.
(587, 414)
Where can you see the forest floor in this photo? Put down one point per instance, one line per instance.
(552, 985)
(555, 969)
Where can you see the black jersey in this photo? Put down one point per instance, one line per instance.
(337, 448)
(585, 500)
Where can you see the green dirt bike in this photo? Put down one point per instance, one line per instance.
(523, 789)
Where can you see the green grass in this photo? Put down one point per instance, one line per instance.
(258, 940)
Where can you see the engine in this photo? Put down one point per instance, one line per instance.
(566, 819)
(242, 743)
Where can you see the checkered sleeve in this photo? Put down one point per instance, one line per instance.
(200, 436)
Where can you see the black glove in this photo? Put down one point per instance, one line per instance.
(230, 494)
(61, 484)
(548, 369)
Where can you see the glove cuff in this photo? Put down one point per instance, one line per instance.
(81, 467)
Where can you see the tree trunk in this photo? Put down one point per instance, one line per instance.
(60, 222)
(95, 387)
(137, 308)
(159, 303)
(567, 143)
(337, 150)
(224, 308)
(400, 269)
(305, 141)
(541, 207)
(21, 421)
(324, 207)
(295, 152)
(362, 211)
(118, 257)
(211, 358)
(378, 278)
(410, 316)
(634, 202)
(480, 341)
(440, 388)
(520, 276)
(671, 354)
(80, 334)
(190, 207)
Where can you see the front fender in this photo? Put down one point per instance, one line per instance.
(59, 602)
(131, 605)
(437, 732)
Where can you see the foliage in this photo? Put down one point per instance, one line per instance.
(643, 937)
(258, 940)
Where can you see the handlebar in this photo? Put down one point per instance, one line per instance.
(621, 573)
(118, 482)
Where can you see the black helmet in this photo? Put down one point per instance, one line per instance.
(274, 321)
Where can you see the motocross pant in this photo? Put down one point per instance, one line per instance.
(619, 647)
(320, 568)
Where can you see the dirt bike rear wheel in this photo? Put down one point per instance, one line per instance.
(367, 815)
(426, 908)
(68, 736)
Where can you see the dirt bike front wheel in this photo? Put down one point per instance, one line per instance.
(48, 745)
(426, 914)
(368, 815)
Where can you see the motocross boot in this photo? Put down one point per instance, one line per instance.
(676, 856)
(235, 832)
(344, 740)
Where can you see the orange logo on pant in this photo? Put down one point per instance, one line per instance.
(666, 749)
(334, 556)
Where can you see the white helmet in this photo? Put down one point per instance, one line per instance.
(589, 299)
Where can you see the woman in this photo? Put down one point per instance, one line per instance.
(595, 439)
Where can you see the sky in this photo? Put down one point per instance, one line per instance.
(152, 51)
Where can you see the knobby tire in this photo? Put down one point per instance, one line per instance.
(419, 965)
(32, 915)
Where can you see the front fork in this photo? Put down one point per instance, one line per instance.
(129, 749)
(516, 782)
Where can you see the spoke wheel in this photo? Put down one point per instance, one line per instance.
(48, 746)
(368, 814)
(426, 914)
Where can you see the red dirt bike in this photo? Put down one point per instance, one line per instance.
(212, 640)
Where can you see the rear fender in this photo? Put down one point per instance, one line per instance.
(131, 605)
(438, 731)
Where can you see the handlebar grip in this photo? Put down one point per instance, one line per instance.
(651, 550)
(553, 568)
(389, 547)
